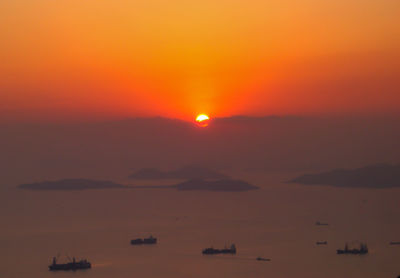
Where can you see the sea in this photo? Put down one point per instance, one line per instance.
(277, 222)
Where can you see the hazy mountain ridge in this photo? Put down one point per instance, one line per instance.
(107, 150)
(373, 176)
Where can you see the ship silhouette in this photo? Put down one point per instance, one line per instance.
(321, 242)
(72, 265)
(262, 259)
(139, 241)
(318, 223)
(212, 251)
(355, 251)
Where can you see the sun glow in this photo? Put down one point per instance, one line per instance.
(202, 120)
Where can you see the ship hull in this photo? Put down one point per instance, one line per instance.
(351, 252)
(140, 241)
(69, 266)
(211, 251)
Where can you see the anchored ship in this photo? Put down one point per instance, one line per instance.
(212, 251)
(355, 251)
(139, 241)
(262, 259)
(73, 265)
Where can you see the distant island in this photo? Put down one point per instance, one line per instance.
(71, 184)
(216, 185)
(193, 184)
(188, 172)
(374, 176)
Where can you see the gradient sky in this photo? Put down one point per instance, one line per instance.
(70, 59)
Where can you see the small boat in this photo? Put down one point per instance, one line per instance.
(321, 242)
(262, 259)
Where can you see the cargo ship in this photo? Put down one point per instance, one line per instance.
(355, 251)
(73, 265)
(139, 241)
(212, 251)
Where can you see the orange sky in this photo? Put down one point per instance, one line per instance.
(70, 59)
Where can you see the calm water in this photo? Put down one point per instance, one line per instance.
(276, 222)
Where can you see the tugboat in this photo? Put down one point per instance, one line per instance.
(212, 251)
(321, 242)
(361, 251)
(139, 241)
(74, 265)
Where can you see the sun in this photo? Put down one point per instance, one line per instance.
(202, 117)
(202, 120)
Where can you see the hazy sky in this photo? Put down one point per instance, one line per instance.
(104, 59)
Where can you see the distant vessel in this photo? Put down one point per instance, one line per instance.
(394, 243)
(361, 251)
(321, 224)
(262, 259)
(139, 241)
(74, 265)
(212, 251)
(322, 242)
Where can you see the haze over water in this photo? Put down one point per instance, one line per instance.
(276, 222)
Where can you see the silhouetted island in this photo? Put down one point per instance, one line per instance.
(71, 184)
(374, 176)
(187, 172)
(216, 185)
(194, 184)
